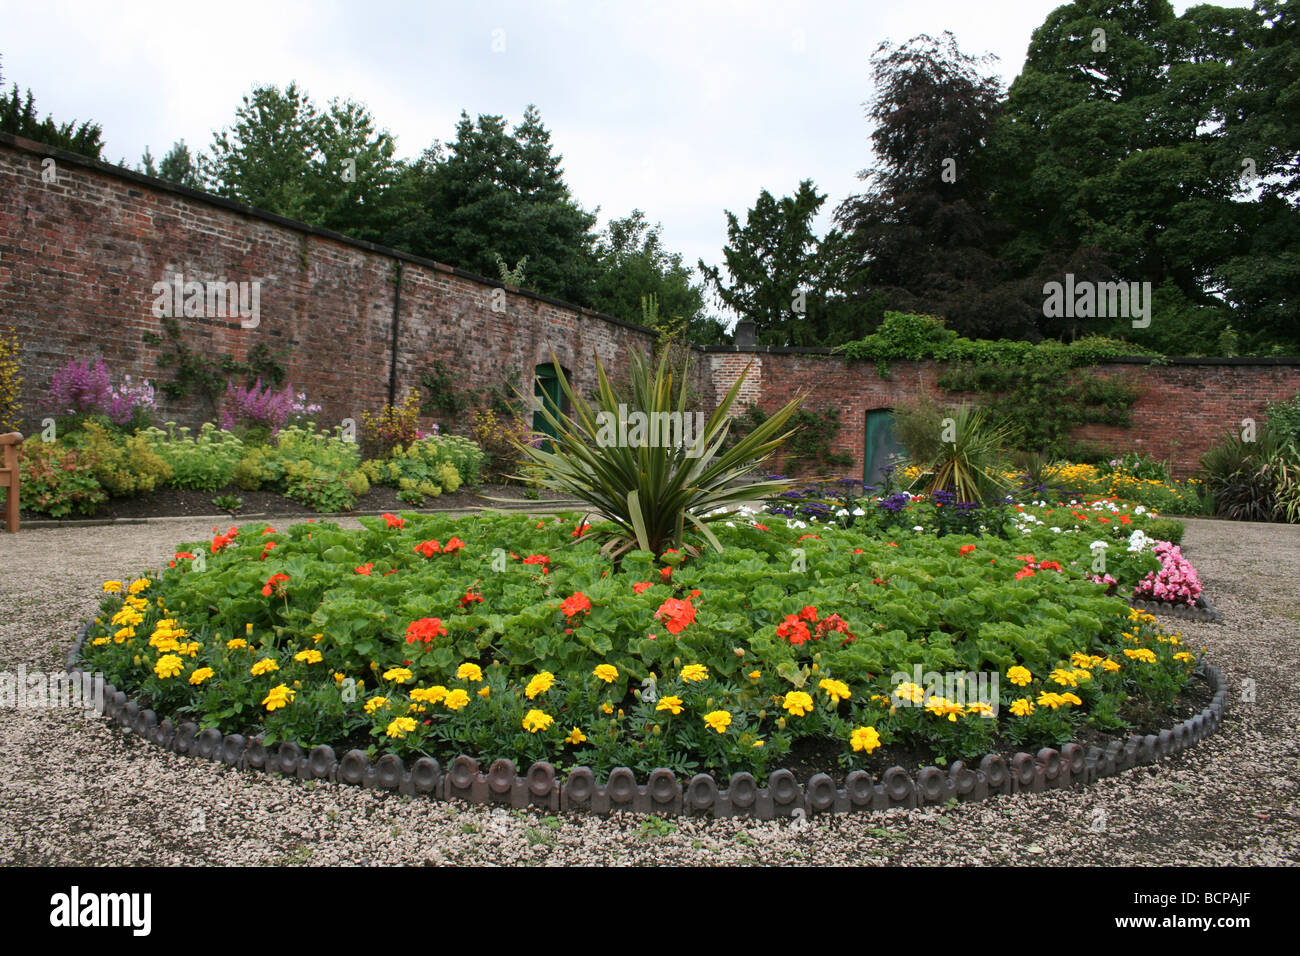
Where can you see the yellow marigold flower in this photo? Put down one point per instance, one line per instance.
(669, 703)
(609, 708)
(835, 690)
(484, 691)
(755, 675)
(865, 738)
(1110, 665)
(455, 699)
(112, 587)
(236, 643)
(400, 727)
(943, 707)
(375, 703)
(719, 720)
(539, 684)
(339, 677)
(798, 703)
(535, 720)
(981, 708)
(278, 697)
(1142, 654)
(1019, 676)
(1048, 699)
(1064, 678)
(167, 644)
(310, 656)
(122, 634)
(316, 638)
(576, 736)
(138, 585)
(1184, 656)
(99, 642)
(692, 673)
(169, 665)
(606, 672)
(136, 603)
(416, 708)
(1022, 707)
(399, 674)
(469, 672)
(1072, 699)
(910, 692)
(264, 666)
(1082, 673)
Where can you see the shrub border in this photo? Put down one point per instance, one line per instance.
(662, 793)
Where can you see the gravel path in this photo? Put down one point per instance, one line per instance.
(74, 791)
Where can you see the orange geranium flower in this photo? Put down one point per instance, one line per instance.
(427, 548)
(425, 629)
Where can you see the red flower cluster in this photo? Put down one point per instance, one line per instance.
(428, 548)
(394, 521)
(471, 597)
(1031, 564)
(966, 549)
(641, 586)
(272, 585)
(365, 568)
(453, 545)
(180, 555)
(425, 629)
(834, 623)
(221, 540)
(541, 559)
(794, 630)
(266, 549)
(575, 603)
(676, 614)
(580, 531)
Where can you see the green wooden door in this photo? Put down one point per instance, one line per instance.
(880, 446)
(546, 389)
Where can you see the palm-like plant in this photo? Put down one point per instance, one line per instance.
(651, 492)
(970, 463)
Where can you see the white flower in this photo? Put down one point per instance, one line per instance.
(842, 513)
(1139, 510)
(1055, 530)
(1137, 541)
(1098, 544)
(858, 512)
(918, 528)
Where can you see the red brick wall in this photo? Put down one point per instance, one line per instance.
(1183, 408)
(79, 257)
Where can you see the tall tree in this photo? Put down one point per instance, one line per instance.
(497, 192)
(331, 168)
(923, 231)
(634, 265)
(782, 277)
(18, 117)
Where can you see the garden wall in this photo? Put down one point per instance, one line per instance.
(1183, 408)
(82, 246)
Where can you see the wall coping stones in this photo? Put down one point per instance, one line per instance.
(663, 793)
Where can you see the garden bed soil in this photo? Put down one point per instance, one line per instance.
(181, 502)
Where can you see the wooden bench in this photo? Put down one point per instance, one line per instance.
(9, 476)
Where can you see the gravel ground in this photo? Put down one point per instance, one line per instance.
(74, 791)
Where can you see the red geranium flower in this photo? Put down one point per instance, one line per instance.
(760, 527)
(365, 568)
(1049, 566)
(427, 548)
(1025, 572)
(425, 629)
(574, 603)
(580, 531)
(676, 614)
(221, 540)
(817, 536)
(809, 613)
(966, 549)
(666, 573)
(272, 585)
(640, 586)
(793, 630)
(471, 597)
(454, 544)
(394, 521)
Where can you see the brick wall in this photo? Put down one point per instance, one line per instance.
(79, 256)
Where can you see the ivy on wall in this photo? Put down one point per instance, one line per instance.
(196, 373)
(1041, 390)
(815, 433)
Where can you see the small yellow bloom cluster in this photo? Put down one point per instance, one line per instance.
(265, 666)
(1144, 654)
(310, 656)
(1048, 699)
(693, 673)
(169, 665)
(375, 703)
(469, 672)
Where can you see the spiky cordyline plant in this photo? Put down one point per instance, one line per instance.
(653, 493)
(970, 464)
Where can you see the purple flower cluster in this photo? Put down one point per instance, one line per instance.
(80, 388)
(251, 407)
(1176, 582)
(895, 503)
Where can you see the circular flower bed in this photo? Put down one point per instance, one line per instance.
(508, 638)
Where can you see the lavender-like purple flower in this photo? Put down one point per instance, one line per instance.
(81, 388)
(256, 406)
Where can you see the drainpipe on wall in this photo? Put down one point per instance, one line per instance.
(392, 360)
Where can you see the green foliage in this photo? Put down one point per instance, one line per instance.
(197, 371)
(871, 610)
(56, 480)
(124, 465)
(782, 278)
(809, 446)
(1254, 480)
(958, 450)
(10, 382)
(494, 193)
(19, 117)
(205, 461)
(427, 468)
(228, 503)
(650, 489)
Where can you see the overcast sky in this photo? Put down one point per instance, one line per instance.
(682, 109)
